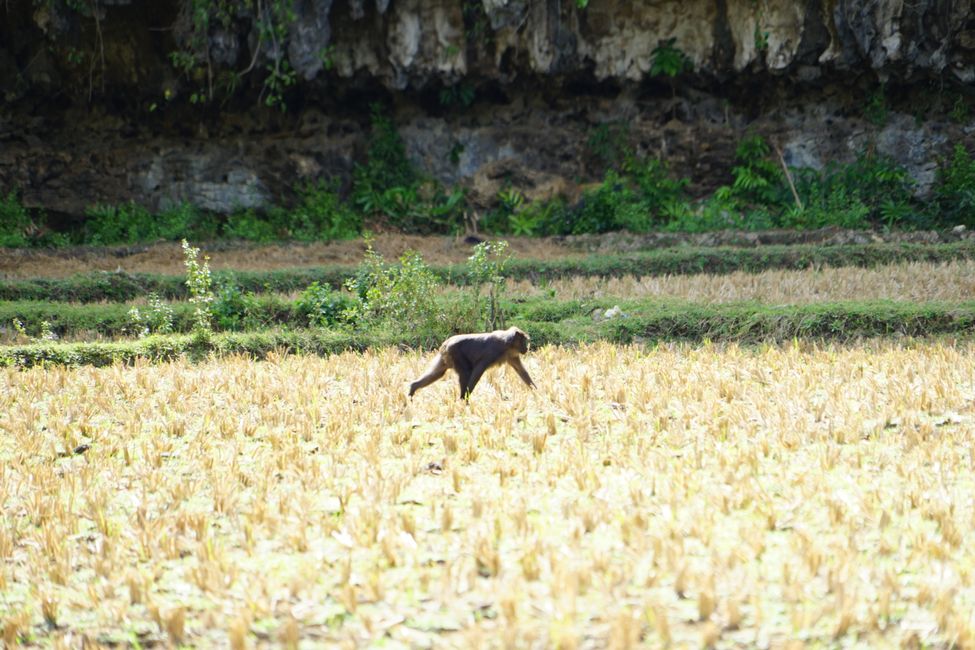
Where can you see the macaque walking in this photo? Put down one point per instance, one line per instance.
(471, 354)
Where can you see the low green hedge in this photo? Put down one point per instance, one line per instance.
(112, 319)
(750, 322)
(119, 287)
(643, 321)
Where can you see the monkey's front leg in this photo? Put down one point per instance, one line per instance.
(515, 362)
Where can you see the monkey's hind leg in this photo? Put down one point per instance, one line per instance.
(435, 371)
(463, 369)
(475, 377)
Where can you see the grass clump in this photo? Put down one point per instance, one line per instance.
(130, 223)
(319, 215)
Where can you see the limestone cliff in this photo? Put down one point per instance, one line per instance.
(94, 109)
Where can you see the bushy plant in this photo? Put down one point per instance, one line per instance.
(386, 163)
(757, 179)
(639, 199)
(387, 186)
(400, 295)
(605, 208)
(46, 333)
(319, 216)
(233, 308)
(155, 318)
(660, 194)
(954, 193)
(870, 190)
(668, 59)
(322, 306)
(130, 223)
(718, 212)
(199, 283)
(247, 224)
(486, 267)
(14, 221)
(179, 221)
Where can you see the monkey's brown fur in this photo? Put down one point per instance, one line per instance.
(471, 354)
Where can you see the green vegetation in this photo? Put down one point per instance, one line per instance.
(408, 302)
(400, 296)
(954, 196)
(130, 224)
(557, 323)
(387, 187)
(120, 287)
(487, 267)
(638, 193)
(668, 59)
(15, 222)
(155, 318)
(199, 283)
(320, 215)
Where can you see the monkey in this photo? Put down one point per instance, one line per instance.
(471, 354)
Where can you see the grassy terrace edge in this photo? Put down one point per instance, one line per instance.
(737, 322)
(666, 317)
(117, 287)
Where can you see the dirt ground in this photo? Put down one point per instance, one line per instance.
(166, 257)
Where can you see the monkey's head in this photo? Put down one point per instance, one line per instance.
(518, 339)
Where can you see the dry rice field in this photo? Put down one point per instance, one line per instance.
(917, 281)
(694, 496)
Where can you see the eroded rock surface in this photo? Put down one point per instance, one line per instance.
(92, 109)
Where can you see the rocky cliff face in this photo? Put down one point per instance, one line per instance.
(484, 91)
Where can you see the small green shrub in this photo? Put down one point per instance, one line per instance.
(321, 306)
(608, 207)
(155, 318)
(719, 212)
(660, 193)
(388, 187)
(178, 221)
(486, 266)
(461, 95)
(319, 216)
(758, 180)
(199, 283)
(397, 295)
(234, 309)
(14, 221)
(248, 225)
(643, 197)
(130, 223)
(46, 333)
(386, 163)
(871, 190)
(668, 59)
(954, 193)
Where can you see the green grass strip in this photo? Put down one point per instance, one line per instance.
(119, 287)
(644, 322)
(112, 319)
